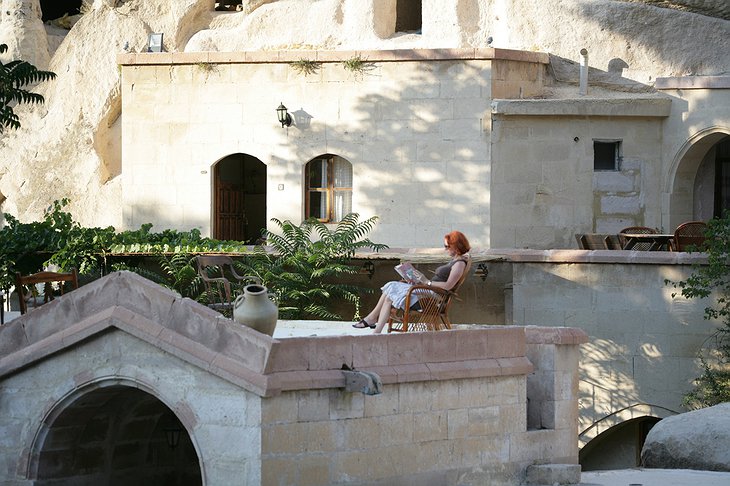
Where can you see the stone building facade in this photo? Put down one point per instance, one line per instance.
(432, 140)
(124, 380)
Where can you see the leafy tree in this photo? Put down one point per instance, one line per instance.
(13, 77)
(306, 275)
(713, 386)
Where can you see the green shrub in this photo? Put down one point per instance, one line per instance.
(305, 274)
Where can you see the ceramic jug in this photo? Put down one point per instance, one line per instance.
(254, 309)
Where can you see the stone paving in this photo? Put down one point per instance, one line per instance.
(655, 477)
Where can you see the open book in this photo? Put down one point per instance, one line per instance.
(410, 274)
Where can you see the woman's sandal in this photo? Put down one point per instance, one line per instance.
(363, 324)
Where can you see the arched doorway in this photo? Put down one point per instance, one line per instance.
(116, 435)
(699, 181)
(239, 198)
(712, 184)
(618, 447)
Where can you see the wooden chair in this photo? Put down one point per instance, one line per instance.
(690, 236)
(637, 230)
(432, 311)
(596, 241)
(220, 279)
(30, 299)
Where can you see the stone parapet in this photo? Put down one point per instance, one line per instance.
(693, 82)
(270, 57)
(623, 107)
(257, 362)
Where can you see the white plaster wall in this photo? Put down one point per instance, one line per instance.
(413, 131)
(544, 188)
(222, 419)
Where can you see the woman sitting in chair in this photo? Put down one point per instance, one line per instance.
(446, 277)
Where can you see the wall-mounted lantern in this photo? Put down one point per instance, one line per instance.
(283, 116)
(481, 271)
(368, 268)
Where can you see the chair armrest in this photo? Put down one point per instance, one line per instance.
(427, 291)
(437, 290)
(241, 278)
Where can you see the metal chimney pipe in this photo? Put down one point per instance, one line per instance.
(583, 90)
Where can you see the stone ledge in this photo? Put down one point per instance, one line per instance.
(693, 82)
(430, 255)
(603, 256)
(555, 335)
(625, 107)
(481, 368)
(273, 57)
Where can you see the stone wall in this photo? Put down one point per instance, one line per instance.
(698, 121)
(453, 406)
(543, 169)
(413, 126)
(642, 353)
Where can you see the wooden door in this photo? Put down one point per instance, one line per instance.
(230, 223)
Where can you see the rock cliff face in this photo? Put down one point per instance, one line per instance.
(70, 146)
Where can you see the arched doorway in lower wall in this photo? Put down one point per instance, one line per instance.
(618, 447)
(115, 435)
(239, 198)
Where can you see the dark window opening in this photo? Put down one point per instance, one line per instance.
(408, 16)
(606, 155)
(229, 5)
(722, 177)
(55, 9)
(328, 188)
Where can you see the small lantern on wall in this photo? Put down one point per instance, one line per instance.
(283, 116)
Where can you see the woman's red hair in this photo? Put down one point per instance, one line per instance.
(458, 241)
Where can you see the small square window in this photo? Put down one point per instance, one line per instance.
(606, 155)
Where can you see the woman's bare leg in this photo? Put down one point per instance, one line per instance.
(374, 315)
(383, 315)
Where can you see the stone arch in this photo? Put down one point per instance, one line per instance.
(609, 427)
(679, 186)
(618, 447)
(239, 188)
(114, 428)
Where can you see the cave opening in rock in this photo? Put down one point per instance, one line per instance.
(54, 9)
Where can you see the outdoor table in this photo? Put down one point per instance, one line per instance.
(656, 241)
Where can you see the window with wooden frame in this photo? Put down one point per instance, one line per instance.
(328, 188)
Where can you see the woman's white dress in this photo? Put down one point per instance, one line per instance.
(397, 291)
